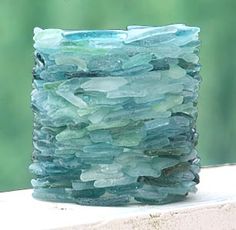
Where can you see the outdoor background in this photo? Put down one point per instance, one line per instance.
(217, 102)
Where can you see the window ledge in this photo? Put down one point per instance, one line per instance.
(213, 207)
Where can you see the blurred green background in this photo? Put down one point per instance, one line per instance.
(217, 102)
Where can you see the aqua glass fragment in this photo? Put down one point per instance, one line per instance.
(115, 115)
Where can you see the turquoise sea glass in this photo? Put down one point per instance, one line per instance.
(115, 115)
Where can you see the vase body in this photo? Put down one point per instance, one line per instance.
(115, 115)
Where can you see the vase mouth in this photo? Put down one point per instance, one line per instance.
(94, 34)
(131, 33)
(128, 28)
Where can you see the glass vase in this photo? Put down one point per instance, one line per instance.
(115, 115)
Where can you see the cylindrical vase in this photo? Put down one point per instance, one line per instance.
(115, 115)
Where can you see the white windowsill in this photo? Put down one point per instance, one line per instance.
(213, 207)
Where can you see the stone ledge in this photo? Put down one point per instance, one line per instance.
(213, 207)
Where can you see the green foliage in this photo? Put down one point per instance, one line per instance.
(217, 107)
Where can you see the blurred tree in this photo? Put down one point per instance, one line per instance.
(217, 104)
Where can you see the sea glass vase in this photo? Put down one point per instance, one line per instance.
(115, 115)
